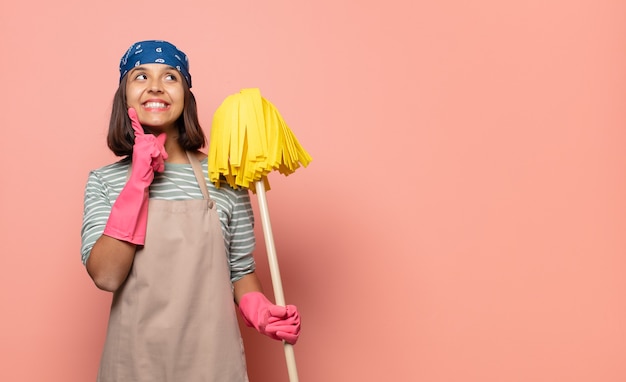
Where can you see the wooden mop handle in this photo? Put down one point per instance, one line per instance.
(275, 273)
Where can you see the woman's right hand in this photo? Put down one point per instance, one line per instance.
(129, 215)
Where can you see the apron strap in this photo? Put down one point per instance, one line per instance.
(197, 170)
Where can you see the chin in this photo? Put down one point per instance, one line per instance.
(158, 127)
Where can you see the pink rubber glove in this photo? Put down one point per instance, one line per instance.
(277, 322)
(129, 215)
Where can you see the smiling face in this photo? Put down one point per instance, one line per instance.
(156, 92)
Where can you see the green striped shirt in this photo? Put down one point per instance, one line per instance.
(177, 182)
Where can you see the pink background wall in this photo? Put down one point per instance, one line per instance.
(463, 218)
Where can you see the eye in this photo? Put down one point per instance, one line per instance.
(171, 77)
(141, 76)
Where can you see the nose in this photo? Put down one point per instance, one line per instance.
(155, 86)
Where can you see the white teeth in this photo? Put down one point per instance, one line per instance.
(154, 105)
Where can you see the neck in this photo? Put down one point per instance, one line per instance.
(175, 153)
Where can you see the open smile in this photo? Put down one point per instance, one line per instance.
(155, 105)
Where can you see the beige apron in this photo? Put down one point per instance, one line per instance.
(174, 320)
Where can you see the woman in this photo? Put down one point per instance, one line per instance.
(174, 250)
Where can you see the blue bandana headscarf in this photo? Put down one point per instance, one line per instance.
(155, 52)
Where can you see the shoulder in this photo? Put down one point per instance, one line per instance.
(202, 157)
(224, 190)
(111, 173)
(223, 186)
(120, 165)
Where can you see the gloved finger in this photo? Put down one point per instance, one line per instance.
(153, 150)
(134, 120)
(278, 314)
(158, 153)
(158, 164)
(288, 330)
(292, 310)
(290, 324)
(290, 338)
(287, 322)
(277, 311)
(291, 320)
(161, 144)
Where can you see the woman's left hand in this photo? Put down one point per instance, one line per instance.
(277, 322)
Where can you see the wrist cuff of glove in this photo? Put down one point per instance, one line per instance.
(124, 236)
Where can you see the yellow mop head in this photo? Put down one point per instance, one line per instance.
(249, 139)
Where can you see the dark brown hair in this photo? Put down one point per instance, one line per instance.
(121, 137)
